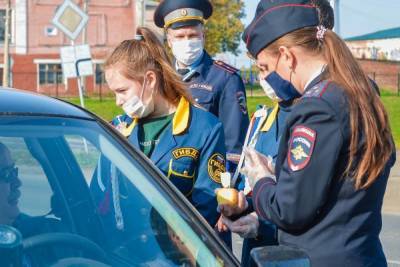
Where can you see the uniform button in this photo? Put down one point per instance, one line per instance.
(197, 100)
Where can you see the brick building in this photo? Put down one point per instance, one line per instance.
(379, 55)
(35, 43)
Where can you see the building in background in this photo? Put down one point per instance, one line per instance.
(35, 43)
(379, 55)
(381, 45)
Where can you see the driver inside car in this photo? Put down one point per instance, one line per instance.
(9, 188)
(11, 215)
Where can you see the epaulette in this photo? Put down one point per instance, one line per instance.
(317, 90)
(225, 66)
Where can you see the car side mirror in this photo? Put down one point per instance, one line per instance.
(10, 246)
(279, 256)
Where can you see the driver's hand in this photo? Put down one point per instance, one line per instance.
(228, 210)
(220, 226)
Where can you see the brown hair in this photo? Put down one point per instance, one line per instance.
(367, 113)
(145, 53)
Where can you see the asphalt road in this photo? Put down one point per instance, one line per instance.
(390, 237)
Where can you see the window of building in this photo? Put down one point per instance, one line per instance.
(99, 73)
(50, 74)
(2, 24)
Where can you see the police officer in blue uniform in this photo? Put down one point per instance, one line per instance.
(325, 193)
(184, 141)
(215, 85)
(265, 132)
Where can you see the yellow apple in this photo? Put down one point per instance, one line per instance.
(227, 196)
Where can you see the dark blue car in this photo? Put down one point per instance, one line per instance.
(57, 210)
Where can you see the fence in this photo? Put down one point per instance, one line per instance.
(53, 84)
(385, 81)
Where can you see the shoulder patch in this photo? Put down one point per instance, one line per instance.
(216, 166)
(186, 152)
(225, 66)
(241, 98)
(301, 147)
(318, 90)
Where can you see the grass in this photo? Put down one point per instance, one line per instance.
(107, 108)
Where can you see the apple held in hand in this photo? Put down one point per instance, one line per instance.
(227, 196)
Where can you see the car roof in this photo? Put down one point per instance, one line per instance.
(14, 101)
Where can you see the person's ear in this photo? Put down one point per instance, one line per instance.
(151, 79)
(288, 58)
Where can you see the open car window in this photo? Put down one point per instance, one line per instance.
(75, 175)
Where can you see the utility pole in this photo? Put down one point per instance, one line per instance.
(141, 10)
(6, 68)
(84, 41)
(336, 8)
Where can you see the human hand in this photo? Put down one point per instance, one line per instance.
(229, 210)
(257, 166)
(220, 226)
(246, 226)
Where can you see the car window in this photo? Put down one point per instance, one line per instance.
(86, 154)
(36, 192)
(97, 190)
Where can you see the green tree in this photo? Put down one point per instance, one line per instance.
(224, 29)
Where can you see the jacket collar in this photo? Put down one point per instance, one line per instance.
(180, 122)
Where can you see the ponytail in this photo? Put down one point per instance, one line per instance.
(367, 113)
(137, 56)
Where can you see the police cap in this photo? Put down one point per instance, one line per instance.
(179, 13)
(274, 19)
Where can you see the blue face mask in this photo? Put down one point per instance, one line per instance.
(283, 88)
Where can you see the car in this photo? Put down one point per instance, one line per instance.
(66, 212)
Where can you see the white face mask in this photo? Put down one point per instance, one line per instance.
(268, 90)
(187, 51)
(135, 108)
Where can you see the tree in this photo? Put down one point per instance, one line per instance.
(224, 29)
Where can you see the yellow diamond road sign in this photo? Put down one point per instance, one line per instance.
(70, 19)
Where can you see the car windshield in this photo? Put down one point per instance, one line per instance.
(69, 175)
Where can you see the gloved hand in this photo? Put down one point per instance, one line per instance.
(257, 166)
(247, 226)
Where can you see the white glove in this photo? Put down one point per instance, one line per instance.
(246, 227)
(257, 166)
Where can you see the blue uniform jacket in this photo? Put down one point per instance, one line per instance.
(218, 88)
(191, 154)
(267, 143)
(314, 207)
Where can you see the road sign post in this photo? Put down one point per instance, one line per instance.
(76, 60)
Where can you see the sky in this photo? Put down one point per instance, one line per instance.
(357, 17)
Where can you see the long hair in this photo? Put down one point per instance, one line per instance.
(137, 56)
(367, 113)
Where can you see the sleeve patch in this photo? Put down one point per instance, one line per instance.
(301, 147)
(242, 102)
(216, 166)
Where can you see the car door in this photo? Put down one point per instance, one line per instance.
(80, 177)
